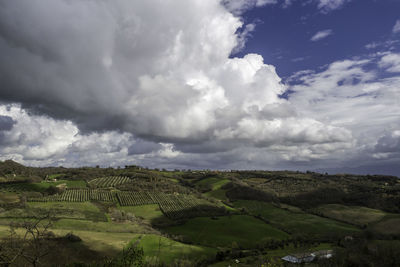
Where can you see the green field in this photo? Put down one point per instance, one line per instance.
(351, 214)
(168, 250)
(214, 182)
(389, 225)
(246, 231)
(60, 210)
(8, 197)
(110, 243)
(42, 186)
(297, 223)
(218, 194)
(148, 212)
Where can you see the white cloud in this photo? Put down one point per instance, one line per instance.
(391, 62)
(109, 67)
(396, 27)
(239, 6)
(349, 96)
(328, 5)
(321, 35)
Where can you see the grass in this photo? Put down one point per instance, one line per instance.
(110, 243)
(80, 206)
(42, 186)
(297, 223)
(107, 227)
(218, 194)
(389, 225)
(60, 210)
(54, 176)
(8, 197)
(215, 183)
(351, 214)
(147, 212)
(168, 250)
(244, 230)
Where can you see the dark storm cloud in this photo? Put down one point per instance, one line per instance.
(6, 123)
(143, 147)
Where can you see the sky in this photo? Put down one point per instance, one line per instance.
(202, 84)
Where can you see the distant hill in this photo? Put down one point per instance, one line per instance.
(10, 167)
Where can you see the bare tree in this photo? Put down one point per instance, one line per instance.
(30, 246)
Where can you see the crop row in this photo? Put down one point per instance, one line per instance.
(135, 198)
(78, 195)
(173, 206)
(109, 181)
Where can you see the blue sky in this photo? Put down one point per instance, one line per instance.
(283, 35)
(230, 84)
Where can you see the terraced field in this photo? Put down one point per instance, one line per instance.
(173, 206)
(77, 195)
(111, 181)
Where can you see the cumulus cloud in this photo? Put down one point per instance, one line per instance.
(349, 95)
(328, 5)
(396, 27)
(105, 83)
(391, 62)
(109, 66)
(321, 35)
(239, 6)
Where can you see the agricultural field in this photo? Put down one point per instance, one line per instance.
(210, 216)
(111, 181)
(40, 186)
(389, 225)
(173, 206)
(135, 198)
(240, 230)
(297, 223)
(77, 195)
(59, 210)
(356, 215)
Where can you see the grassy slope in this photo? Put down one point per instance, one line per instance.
(168, 250)
(42, 186)
(297, 223)
(8, 197)
(148, 212)
(352, 214)
(71, 210)
(389, 225)
(109, 244)
(214, 182)
(218, 194)
(379, 221)
(246, 231)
